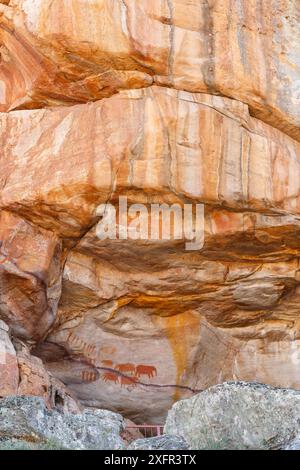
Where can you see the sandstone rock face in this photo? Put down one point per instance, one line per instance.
(131, 432)
(30, 276)
(176, 102)
(9, 371)
(35, 380)
(172, 145)
(28, 420)
(238, 416)
(76, 51)
(24, 374)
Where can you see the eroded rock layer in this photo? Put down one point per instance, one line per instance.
(105, 99)
(57, 52)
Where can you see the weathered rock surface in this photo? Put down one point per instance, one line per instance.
(24, 374)
(14, 444)
(30, 275)
(165, 442)
(239, 294)
(35, 380)
(172, 145)
(9, 372)
(56, 53)
(293, 445)
(26, 419)
(131, 432)
(163, 102)
(238, 415)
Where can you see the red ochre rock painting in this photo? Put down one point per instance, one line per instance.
(89, 351)
(128, 381)
(107, 363)
(126, 368)
(119, 374)
(122, 380)
(110, 377)
(149, 371)
(89, 376)
(124, 374)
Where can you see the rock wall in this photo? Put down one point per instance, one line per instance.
(162, 101)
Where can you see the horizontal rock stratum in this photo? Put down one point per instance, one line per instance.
(175, 102)
(57, 52)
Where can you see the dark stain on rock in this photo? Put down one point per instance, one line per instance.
(208, 68)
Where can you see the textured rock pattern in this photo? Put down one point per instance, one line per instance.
(168, 101)
(172, 145)
(30, 276)
(159, 443)
(28, 420)
(58, 52)
(9, 372)
(35, 380)
(293, 445)
(238, 416)
(24, 374)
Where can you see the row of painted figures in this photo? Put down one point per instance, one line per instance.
(126, 374)
(134, 373)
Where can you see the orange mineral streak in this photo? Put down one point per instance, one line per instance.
(161, 305)
(180, 330)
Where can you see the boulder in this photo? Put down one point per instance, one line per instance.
(26, 419)
(239, 416)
